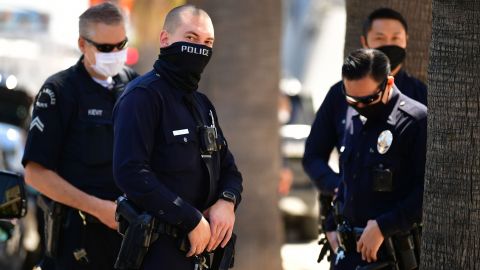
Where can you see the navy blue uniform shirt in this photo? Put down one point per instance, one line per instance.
(157, 159)
(71, 131)
(328, 127)
(399, 208)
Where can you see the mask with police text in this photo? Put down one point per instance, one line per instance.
(395, 54)
(184, 63)
(109, 64)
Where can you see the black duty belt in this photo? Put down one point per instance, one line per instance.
(166, 229)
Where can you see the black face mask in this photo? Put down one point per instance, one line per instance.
(395, 54)
(182, 63)
(372, 111)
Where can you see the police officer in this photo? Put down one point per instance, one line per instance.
(386, 30)
(382, 156)
(162, 160)
(68, 153)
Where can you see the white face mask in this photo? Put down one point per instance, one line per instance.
(109, 64)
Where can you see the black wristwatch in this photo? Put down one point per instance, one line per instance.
(229, 197)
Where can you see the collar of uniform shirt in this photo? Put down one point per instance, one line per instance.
(108, 83)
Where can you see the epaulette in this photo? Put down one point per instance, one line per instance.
(413, 108)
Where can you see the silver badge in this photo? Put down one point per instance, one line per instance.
(384, 141)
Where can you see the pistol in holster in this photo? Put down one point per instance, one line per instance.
(326, 208)
(137, 228)
(401, 253)
(54, 214)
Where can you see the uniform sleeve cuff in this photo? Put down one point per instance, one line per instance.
(191, 220)
(175, 210)
(328, 184)
(387, 225)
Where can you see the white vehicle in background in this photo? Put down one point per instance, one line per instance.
(19, 243)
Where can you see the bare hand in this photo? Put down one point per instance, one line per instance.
(105, 212)
(222, 219)
(333, 240)
(199, 238)
(370, 241)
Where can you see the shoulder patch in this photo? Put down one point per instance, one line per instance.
(46, 98)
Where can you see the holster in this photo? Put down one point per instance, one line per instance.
(405, 250)
(400, 251)
(138, 233)
(224, 258)
(326, 208)
(54, 215)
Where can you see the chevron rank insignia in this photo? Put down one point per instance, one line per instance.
(37, 123)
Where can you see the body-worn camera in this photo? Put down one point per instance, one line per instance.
(208, 137)
(382, 179)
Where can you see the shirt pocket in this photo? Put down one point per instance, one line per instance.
(97, 143)
(180, 151)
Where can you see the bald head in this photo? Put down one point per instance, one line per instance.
(177, 16)
(187, 23)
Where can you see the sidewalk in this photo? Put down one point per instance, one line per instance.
(302, 256)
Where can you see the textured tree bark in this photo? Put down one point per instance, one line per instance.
(419, 18)
(452, 188)
(242, 81)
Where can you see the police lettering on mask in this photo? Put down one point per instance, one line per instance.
(195, 50)
(182, 64)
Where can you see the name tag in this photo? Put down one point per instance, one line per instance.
(180, 132)
(95, 112)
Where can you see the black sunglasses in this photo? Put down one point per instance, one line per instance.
(107, 47)
(366, 99)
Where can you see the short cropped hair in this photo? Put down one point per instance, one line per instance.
(106, 13)
(173, 20)
(383, 13)
(363, 62)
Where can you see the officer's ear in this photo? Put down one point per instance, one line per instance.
(164, 38)
(390, 80)
(363, 41)
(81, 44)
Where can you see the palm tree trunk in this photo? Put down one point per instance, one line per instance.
(242, 80)
(419, 18)
(147, 18)
(452, 187)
